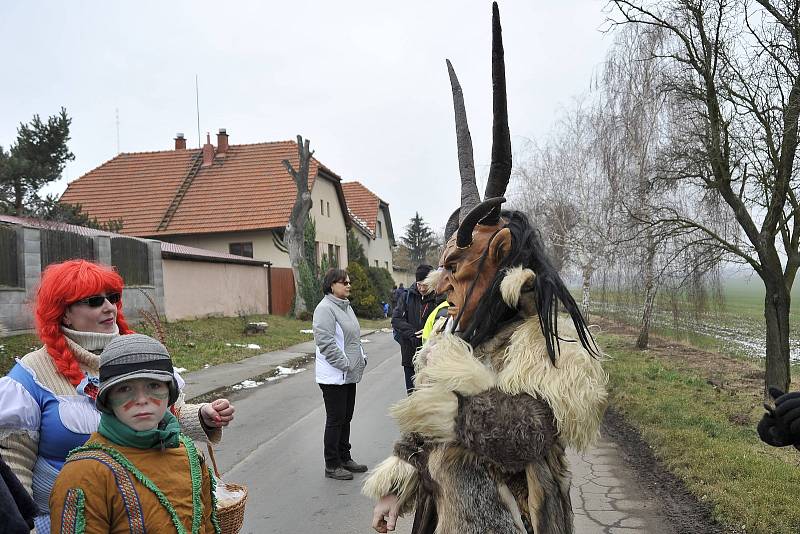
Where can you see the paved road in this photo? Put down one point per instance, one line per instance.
(278, 455)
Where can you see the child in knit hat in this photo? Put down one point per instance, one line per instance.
(137, 473)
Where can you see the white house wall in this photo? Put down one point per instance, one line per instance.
(379, 251)
(201, 289)
(331, 229)
(263, 245)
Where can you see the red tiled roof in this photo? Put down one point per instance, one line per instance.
(248, 189)
(363, 204)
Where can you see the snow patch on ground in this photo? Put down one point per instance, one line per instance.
(248, 346)
(284, 372)
(179, 369)
(306, 331)
(366, 341)
(247, 384)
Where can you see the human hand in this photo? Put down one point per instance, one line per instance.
(218, 413)
(384, 516)
(418, 333)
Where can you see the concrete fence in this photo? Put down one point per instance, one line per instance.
(16, 303)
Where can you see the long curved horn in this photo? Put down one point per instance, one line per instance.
(478, 214)
(466, 162)
(452, 224)
(500, 169)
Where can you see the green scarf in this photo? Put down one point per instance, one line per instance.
(165, 435)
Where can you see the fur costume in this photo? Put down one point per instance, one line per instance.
(493, 424)
(507, 384)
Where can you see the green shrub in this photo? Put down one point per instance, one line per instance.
(362, 293)
(382, 282)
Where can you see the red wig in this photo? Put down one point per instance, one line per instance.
(63, 284)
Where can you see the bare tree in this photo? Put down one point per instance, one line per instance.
(295, 230)
(734, 66)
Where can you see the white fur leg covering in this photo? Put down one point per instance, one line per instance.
(515, 280)
(575, 388)
(396, 476)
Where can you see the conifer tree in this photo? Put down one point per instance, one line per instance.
(419, 239)
(36, 158)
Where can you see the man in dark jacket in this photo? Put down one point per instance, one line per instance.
(408, 319)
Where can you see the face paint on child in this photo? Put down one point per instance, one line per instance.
(129, 393)
(139, 403)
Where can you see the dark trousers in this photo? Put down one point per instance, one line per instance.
(409, 371)
(340, 401)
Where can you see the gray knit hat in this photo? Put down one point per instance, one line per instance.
(134, 356)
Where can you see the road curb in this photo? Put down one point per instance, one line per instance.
(203, 382)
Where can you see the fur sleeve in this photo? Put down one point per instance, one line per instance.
(393, 476)
(508, 430)
(449, 367)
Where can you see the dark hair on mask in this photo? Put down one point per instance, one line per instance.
(332, 276)
(492, 313)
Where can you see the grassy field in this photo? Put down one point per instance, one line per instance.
(196, 343)
(736, 325)
(698, 410)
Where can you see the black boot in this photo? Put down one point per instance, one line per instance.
(353, 467)
(338, 473)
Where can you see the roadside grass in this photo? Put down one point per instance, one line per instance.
(12, 347)
(703, 430)
(196, 343)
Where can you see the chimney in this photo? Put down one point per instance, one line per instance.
(180, 141)
(222, 143)
(208, 152)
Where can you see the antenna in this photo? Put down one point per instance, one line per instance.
(197, 102)
(117, 112)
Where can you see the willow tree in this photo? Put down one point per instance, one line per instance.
(734, 68)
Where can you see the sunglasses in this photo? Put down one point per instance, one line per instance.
(344, 282)
(95, 301)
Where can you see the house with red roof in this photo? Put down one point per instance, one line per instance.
(233, 199)
(372, 224)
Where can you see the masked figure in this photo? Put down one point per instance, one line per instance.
(504, 385)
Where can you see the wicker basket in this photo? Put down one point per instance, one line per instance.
(231, 516)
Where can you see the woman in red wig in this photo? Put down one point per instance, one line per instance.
(47, 399)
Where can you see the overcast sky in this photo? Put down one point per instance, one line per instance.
(366, 82)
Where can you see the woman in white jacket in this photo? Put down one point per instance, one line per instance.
(339, 366)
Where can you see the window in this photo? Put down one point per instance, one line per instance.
(321, 208)
(337, 258)
(376, 263)
(386, 264)
(318, 252)
(241, 249)
(379, 230)
(329, 208)
(331, 257)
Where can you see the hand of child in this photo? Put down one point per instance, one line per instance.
(217, 413)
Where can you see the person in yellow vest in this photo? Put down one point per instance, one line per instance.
(438, 312)
(137, 473)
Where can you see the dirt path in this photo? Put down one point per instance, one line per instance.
(680, 509)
